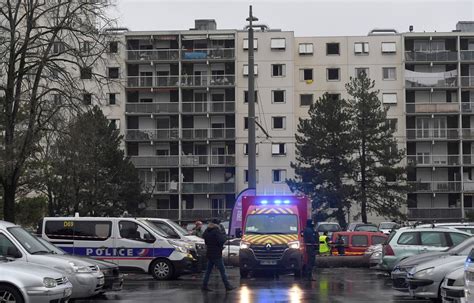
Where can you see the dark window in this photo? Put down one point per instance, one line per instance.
(278, 96)
(5, 245)
(408, 238)
(112, 99)
(132, 231)
(278, 149)
(113, 47)
(378, 240)
(86, 73)
(306, 100)
(113, 72)
(332, 48)
(278, 70)
(166, 229)
(132, 149)
(279, 122)
(79, 230)
(360, 240)
(246, 122)
(307, 74)
(87, 99)
(433, 238)
(334, 96)
(333, 74)
(246, 96)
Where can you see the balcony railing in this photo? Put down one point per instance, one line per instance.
(152, 81)
(434, 213)
(160, 187)
(208, 133)
(207, 188)
(208, 80)
(208, 160)
(433, 134)
(467, 81)
(434, 160)
(436, 186)
(209, 107)
(152, 108)
(431, 56)
(141, 135)
(188, 214)
(153, 55)
(425, 108)
(468, 186)
(429, 82)
(467, 107)
(155, 161)
(467, 133)
(467, 55)
(468, 159)
(208, 54)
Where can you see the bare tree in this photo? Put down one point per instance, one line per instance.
(49, 53)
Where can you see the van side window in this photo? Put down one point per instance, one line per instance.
(133, 231)
(79, 230)
(433, 238)
(360, 240)
(5, 243)
(409, 238)
(378, 240)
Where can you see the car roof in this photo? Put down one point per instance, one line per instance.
(356, 233)
(429, 229)
(5, 224)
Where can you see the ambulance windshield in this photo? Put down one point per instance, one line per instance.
(262, 224)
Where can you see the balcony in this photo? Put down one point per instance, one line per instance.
(208, 160)
(144, 135)
(207, 188)
(468, 159)
(153, 55)
(468, 186)
(467, 55)
(152, 108)
(160, 187)
(433, 134)
(188, 214)
(467, 107)
(431, 82)
(208, 133)
(434, 160)
(430, 56)
(467, 133)
(467, 81)
(436, 186)
(207, 80)
(208, 54)
(155, 161)
(152, 81)
(428, 108)
(209, 107)
(434, 213)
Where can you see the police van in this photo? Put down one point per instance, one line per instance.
(132, 244)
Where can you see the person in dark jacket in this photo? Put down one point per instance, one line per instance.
(214, 240)
(310, 241)
(340, 245)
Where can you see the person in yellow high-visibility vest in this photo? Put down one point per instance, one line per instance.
(324, 248)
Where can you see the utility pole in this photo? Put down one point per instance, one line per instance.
(252, 164)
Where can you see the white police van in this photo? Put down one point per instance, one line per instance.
(130, 243)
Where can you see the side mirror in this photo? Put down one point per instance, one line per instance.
(13, 252)
(238, 233)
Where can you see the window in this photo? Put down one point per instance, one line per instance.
(332, 48)
(246, 122)
(87, 99)
(278, 175)
(113, 47)
(305, 48)
(278, 43)
(113, 72)
(58, 47)
(112, 99)
(57, 98)
(389, 73)
(306, 74)
(86, 73)
(457, 238)
(166, 229)
(278, 70)
(389, 47)
(114, 123)
(79, 230)
(378, 240)
(334, 96)
(246, 44)
(389, 98)
(246, 96)
(246, 70)
(361, 48)
(408, 238)
(360, 70)
(279, 122)
(86, 47)
(6, 246)
(278, 96)
(306, 99)
(132, 231)
(333, 74)
(360, 240)
(278, 149)
(392, 124)
(432, 238)
(246, 149)
(246, 176)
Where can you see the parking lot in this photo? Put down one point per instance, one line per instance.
(331, 285)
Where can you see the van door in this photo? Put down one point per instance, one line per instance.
(134, 245)
(93, 238)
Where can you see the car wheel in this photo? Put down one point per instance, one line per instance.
(162, 269)
(9, 294)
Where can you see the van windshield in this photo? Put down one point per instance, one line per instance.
(29, 242)
(271, 224)
(179, 229)
(155, 229)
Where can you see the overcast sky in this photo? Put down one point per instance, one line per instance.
(305, 18)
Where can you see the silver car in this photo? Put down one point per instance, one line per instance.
(32, 283)
(452, 289)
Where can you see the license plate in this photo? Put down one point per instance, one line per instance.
(268, 262)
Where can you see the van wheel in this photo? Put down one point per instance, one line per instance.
(9, 294)
(162, 269)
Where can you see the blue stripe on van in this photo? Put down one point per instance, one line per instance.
(118, 252)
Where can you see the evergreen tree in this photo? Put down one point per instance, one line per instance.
(323, 152)
(379, 180)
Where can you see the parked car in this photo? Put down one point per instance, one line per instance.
(388, 227)
(373, 255)
(86, 278)
(329, 227)
(359, 226)
(113, 279)
(230, 253)
(452, 289)
(357, 242)
(399, 273)
(406, 242)
(30, 283)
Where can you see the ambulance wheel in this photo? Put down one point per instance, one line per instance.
(162, 269)
(244, 273)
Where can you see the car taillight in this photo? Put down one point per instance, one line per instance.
(388, 251)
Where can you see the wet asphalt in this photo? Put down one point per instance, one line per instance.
(332, 285)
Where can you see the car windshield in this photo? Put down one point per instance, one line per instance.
(53, 249)
(29, 242)
(329, 227)
(271, 224)
(366, 228)
(389, 225)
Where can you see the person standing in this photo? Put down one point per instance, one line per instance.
(324, 248)
(214, 239)
(198, 229)
(310, 241)
(341, 250)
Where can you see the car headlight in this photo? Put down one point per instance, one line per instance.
(244, 245)
(49, 283)
(79, 269)
(459, 282)
(178, 246)
(294, 245)
(423, 272)
(200, 246)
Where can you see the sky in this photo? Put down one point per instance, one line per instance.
(304, 17)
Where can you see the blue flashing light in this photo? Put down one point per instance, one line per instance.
(264, 202)
(286, 202)
(277, 202)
